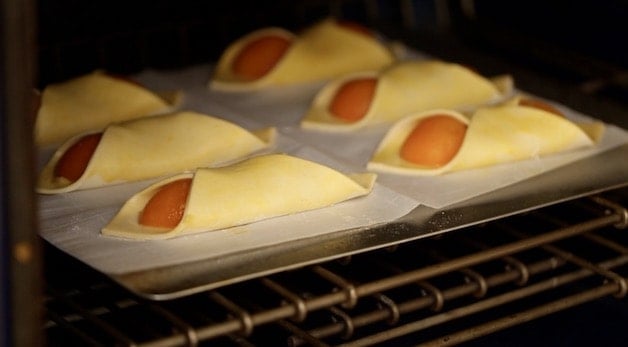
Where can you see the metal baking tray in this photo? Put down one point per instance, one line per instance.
(72, 218)
(592, 175)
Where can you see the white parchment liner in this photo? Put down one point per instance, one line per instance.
(72, 221)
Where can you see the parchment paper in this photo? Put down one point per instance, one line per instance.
(72, 221)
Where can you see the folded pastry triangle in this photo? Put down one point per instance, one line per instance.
(155, 147)
(90, 103)
(494, 135)
(254, 189)
(321, 52)
(409, 87)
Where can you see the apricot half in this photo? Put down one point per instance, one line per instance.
(74, 160)
(356, 27)
(434, 141)
(165, 209)
(353, 99)
(259, 56)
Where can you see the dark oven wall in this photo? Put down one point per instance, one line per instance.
(575, 48)
(127, 36)
(578, 44)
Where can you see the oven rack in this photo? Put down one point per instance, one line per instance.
(446, 290)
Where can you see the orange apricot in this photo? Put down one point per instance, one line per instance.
(259, 56)
(74, 161)
(540, 105)
(434, 141)
(353, 99)
(165, 209)
(357, 27)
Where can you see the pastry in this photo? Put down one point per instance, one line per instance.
(148, 148)
(276, 57)
(381, 97)
(90, 103)
(254, 189)
(440, 141)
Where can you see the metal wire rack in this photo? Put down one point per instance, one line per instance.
(441, 291)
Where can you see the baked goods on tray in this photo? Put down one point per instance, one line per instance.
(440, 141)
(254, 189)
(148, 148)
(277, 57)
(91, 102)
(381, 97)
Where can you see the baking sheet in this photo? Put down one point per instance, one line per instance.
(171, 268)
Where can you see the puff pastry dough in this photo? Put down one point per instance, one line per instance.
(251, 190)
(157, 146)
(321, 52)
(91, 102)
(408, 87)
(495, 135)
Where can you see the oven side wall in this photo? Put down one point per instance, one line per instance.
(20, 269)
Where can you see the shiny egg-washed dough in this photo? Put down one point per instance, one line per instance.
(90, 103)
(158, 146)
(321, 52)
(495, 135)
(408, 87)
(258, 188)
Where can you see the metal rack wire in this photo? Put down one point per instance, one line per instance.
(438, 292)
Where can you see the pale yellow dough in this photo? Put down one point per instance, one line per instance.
(321, 52)
(158, 146)
(90, 103)
(495, 135)
(409, 87)
(258, 188)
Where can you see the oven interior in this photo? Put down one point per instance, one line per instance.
(554, 275)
